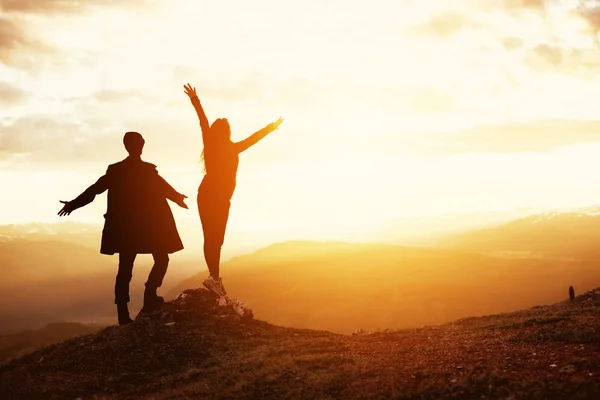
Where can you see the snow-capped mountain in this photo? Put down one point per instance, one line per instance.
(590, 211)
(571, 233)
(75, 232)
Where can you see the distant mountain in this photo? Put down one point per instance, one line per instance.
(423, 230)
(89, 235)
(429, 230)
(75, 232)
(51, 274)
(46, 281)
(345, 286)
(573, 234)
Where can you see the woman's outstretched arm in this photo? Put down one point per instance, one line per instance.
(204, 125)
(256, 136)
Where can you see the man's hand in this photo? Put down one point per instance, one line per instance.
(274, 125)
(66, 210)
(190, 91)
(180, 201)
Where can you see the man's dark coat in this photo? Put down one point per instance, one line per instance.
(138, 218)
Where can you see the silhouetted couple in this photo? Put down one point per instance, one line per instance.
(139, 220)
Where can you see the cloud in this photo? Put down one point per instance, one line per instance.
(91, 132)
(550, 53)
(10, 94)
(48, 139)
(520, 4)
(518, 137)
(65, 6)
(34, 133)
(443, 25)
(13, 38)
(590, 12)
(21, 48)
(39, 6)
(119, 98)
(512, 43)
(18, 47)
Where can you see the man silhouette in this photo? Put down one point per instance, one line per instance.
(138, 220)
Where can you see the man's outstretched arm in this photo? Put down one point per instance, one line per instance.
(84, 198)
(172, 194)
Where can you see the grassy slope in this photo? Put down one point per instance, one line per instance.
(544, 352)
(24, 342)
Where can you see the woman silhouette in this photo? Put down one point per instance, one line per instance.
(221, 159)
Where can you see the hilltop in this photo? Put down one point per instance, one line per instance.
(187, 351)
(341, 287)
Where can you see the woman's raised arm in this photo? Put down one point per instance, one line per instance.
(204, 125)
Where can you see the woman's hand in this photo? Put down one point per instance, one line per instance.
(274, 125)
(190, 91)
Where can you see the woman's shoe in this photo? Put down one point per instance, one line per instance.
(222, 287)
(214, 285)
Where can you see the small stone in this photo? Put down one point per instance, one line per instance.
(453, 381)
(181, 296)
(553, 365)
(569, 369)
(170, 324)
(222, 301)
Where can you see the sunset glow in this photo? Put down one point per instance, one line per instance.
(395, 109)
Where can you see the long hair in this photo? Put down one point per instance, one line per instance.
(219, 135)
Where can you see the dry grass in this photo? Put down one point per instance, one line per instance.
(542, 353)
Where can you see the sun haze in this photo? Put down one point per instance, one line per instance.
(393, 109)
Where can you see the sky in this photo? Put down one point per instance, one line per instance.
(391, 109)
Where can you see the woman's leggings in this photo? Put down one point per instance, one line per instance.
(214, 213)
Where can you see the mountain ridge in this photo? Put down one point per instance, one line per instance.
(538, 353)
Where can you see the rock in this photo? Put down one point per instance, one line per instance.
(181, 296)
(569, 369)
(197, 304)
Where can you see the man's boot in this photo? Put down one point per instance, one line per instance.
(151, 300)
(123, 314)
